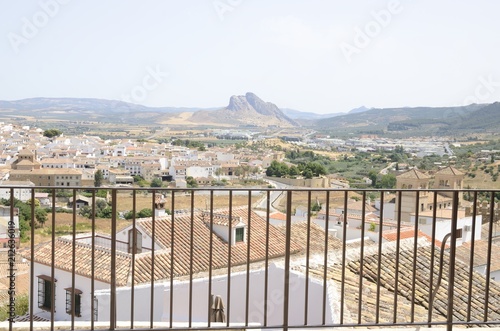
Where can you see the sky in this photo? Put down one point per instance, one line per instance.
(322, 56)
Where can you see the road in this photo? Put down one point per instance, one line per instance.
(274, 196)
(386, 169)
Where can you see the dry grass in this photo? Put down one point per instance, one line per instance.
(483, 180)
(182, 201)
(300, 198)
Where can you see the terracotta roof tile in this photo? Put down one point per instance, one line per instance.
(413, 173)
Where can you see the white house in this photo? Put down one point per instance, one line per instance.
(443, 224)
(134, 246)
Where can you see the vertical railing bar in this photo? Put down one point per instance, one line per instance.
(308, 244)
(172, 229)
(52, 261)
(92, 267)
(344, 234)
(488, 258)
(471, 263)
(73, 263)
(134, 250)
(191, 238)
(361, 257)
(153, 240)
(12, 275)
(433, 252)
(210, 257)
(32, 259)
(379, 257)
(249, 227)
(266, 271)
(415, 248)
(451, 277)
(287, 259)
(396, 272)
(325, 257)
(112, 305)
(230, 223)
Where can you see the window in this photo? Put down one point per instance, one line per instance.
(240, 234)
(78, 300)
(422, 220)
(46, 285)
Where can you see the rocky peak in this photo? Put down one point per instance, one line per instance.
(251, 102)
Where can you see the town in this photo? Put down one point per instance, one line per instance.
(228, 201)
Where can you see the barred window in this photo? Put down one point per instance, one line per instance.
(77, 300)
(46, 285)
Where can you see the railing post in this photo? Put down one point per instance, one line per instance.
(12, 259)
(451, 271)
(287, 258)
(112, 306)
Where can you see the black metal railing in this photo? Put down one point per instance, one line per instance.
(339, 266)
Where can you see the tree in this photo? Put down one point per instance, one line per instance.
(146, 212)
(387, 181)
(85, 211)
(191, 182)
(98, 178)
(156, 182)
(373, 177)
(138, 178)
(308, 173)
(41, 216)
(50, 133)
(37, 202)
(293, 171)
(106, 212)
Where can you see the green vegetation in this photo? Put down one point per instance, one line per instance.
(191, 182)
(22, 305)
(51, 133)
(156, 182)
(102, 210)
(25, 216)
(98, 178)
(146, 212)
(188, 143)
(308, 170)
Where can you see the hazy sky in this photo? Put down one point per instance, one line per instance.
(322, 56)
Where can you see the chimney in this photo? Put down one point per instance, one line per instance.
(160, 205)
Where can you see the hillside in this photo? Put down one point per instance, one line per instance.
(423, 120)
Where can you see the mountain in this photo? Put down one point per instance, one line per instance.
(89, 109)
(421, 120)
(245, 110)
(484, 119)
(84, 104)
(359, 110)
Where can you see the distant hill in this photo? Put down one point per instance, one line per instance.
(245, 110)
(303, 115)
(85, 104)
(484, 118)
(359, 110)
(417, 119)
(87, 109)
(249, 110)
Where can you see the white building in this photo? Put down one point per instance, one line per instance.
(20, 193)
